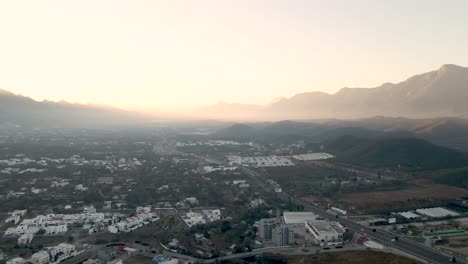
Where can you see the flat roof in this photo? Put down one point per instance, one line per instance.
(298, 217)
(436, 212)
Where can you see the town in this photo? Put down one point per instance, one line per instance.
(167, 199)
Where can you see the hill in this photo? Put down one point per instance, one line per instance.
(20, 111)
(442, 92)
(411, 153)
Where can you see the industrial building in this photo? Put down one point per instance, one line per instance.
(326, 232)
(436, 212)
(298, 217)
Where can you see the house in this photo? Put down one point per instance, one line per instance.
(41, 257)
(25, 239)
(56, 230)
(16, 261)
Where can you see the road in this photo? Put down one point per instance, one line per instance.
(418, 250)
(386, 238)
(276, 250)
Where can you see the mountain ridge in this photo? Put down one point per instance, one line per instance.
(22, 111)
(439, 93)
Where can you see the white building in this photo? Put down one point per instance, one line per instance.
(14, 219)
(41, 257)
(265, 228)
(80, 188)
(56, 230)
(25, 239)
(193, 218)
(326, 232)
(436, 212)
(338, 210)
(212, 215)
(298, 217)
(408, 215)
(16, 261)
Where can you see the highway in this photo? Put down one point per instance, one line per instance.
(385, 238)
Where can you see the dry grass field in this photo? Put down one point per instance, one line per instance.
(424, 193)
(458, 244)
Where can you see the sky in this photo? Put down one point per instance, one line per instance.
(156, 55)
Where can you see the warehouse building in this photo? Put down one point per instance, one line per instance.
(326, 232)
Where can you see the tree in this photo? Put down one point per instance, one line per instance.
(226, 226)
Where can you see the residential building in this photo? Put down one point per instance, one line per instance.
(25, 239)
(16, 261)
(41, 257)
(266, 226)
(283, 235)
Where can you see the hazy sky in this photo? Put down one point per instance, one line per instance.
(175, 54)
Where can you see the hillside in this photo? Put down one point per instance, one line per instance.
(20, 111)
(438, 93)
(408, 153)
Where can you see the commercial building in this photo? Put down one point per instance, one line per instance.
(326, 232)
(436, 212)
(298, 217)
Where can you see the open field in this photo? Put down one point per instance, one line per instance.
(425, 194)
(361, 257)
(457, 243)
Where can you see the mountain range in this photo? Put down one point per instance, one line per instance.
(439, 93)
(449, 132)
(24, 112)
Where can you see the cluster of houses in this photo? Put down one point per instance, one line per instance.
(111, 163)
(205, 216)
(143, 217)
(50, 255)
(89, 219)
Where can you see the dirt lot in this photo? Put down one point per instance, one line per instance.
(457, 244)
(424, 194)
(359, 257)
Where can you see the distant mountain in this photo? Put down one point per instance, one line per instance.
(20, 111)
(229, 111)
(237, 131)
(439, 93)
(448, 132)
(402, 152)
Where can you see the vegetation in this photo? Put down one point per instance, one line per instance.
(409, 153)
